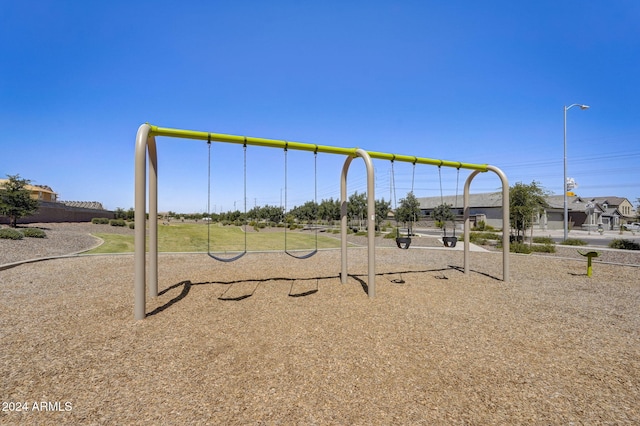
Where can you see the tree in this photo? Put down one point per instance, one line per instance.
(329, 210)
(131, 214)
(267, 212)
(15, 200)
(382, 210)
(308, 212)
(441, 214)
(408, 211)
(525, 201)
(357, 207)
(272, 213)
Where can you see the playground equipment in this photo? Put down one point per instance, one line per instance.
(315, 199)
(589, 255)
(242, 253)
(449, 241)
(146, 148)
(403, 242)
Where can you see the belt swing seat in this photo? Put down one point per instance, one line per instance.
(209, 252)
(294, 253)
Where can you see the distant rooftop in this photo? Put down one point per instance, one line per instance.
(96, 205)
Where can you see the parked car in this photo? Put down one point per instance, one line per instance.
(635, 226)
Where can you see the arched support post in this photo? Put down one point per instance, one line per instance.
(145, 143)
(505, 220)
(371, 221)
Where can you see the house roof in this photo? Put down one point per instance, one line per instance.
(494, 199)
(611, 201)
(32, 188)
(611, 211)
(96, 205)
(489, 199)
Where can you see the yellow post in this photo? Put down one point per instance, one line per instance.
(589, 255)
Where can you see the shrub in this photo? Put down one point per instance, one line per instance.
(10, 234)
(519, 248)
(390, 235)
(477, 238)
(34, 233)
(100, 220)
(117, 222)
(526, 248)
(543, 240)
(132, 225)
(482, 226)
(516, 238)
(573, 242)
(624, 244)
(545, 248)
(485, 235)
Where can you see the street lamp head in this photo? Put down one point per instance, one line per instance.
(582, 107)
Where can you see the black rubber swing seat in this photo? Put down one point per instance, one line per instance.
(226, 259)
(303, 256)
(449, 241)
(403, 242)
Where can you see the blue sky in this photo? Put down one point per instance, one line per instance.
(478, 82)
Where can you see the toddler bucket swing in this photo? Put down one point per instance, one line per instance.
(449, 241)
(403, 242)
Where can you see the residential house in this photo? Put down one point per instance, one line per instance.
(38, 192)
(619, 205)
(485, 207)
(586, 213)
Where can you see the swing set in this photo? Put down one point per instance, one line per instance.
(146, 152)
(404, 241)
(293, 253)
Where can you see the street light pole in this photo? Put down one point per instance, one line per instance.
(564, 183)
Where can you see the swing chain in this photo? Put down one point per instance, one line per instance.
(209, 253)
(286, 191)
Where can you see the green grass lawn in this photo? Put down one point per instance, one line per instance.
(189, 237)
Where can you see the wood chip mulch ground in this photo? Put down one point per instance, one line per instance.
(277, 341)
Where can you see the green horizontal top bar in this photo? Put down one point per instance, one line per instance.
(275, 143)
